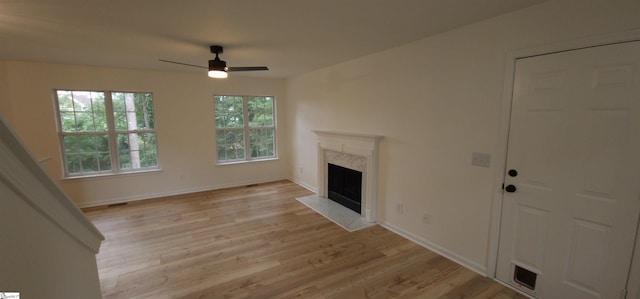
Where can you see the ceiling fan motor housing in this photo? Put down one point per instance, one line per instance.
(217, 65)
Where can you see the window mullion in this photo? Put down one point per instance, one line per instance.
(245, 116)
(111, 130)
(61, 134)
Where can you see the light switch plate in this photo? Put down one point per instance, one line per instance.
(481, 159)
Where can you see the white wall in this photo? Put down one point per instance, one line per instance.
(436, 101)
(184, 119)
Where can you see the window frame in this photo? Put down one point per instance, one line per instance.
(112, 136)
(246, 131)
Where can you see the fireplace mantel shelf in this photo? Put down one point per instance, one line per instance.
(358, 135)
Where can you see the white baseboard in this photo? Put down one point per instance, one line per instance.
(126, 199)
(306, 186)
(471, 265)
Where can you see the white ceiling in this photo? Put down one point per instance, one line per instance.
(291, 37)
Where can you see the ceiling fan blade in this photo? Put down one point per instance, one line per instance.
(247, 68)
(182, 63)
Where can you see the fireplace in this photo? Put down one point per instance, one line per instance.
(344, 186)
(355, 152)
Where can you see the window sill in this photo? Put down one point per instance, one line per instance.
(112, 175)
(246, 161)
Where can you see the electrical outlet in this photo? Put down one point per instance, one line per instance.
(400, 208)
(301, 170)
(426, 218)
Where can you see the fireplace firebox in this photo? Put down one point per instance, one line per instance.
(345, 187)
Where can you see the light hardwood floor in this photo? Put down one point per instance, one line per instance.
(260, 242)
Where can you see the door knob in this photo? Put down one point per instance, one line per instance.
(513, 173)
(510, 188)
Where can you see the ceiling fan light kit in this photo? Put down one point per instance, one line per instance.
(218, 68)
(218, 74)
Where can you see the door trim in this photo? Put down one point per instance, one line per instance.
(507, 97)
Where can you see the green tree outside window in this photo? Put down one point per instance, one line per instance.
(245, 128)
(104, 132)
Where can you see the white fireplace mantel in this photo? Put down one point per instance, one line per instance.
(338, 147)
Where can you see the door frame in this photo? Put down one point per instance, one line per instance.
(633, 282)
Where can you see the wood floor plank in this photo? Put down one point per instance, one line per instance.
(259, 242)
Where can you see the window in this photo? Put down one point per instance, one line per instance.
(106, 132)
(245, 128)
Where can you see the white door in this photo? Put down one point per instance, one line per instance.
(572, 197)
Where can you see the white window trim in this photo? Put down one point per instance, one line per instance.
(112, 136)
(245, 129)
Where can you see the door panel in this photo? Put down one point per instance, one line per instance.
(528, 252)
(575, 142)
(588, 241)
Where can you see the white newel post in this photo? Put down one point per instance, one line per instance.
(351, 150)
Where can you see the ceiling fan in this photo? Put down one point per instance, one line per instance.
(218, 68)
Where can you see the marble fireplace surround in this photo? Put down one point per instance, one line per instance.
(354, 151)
